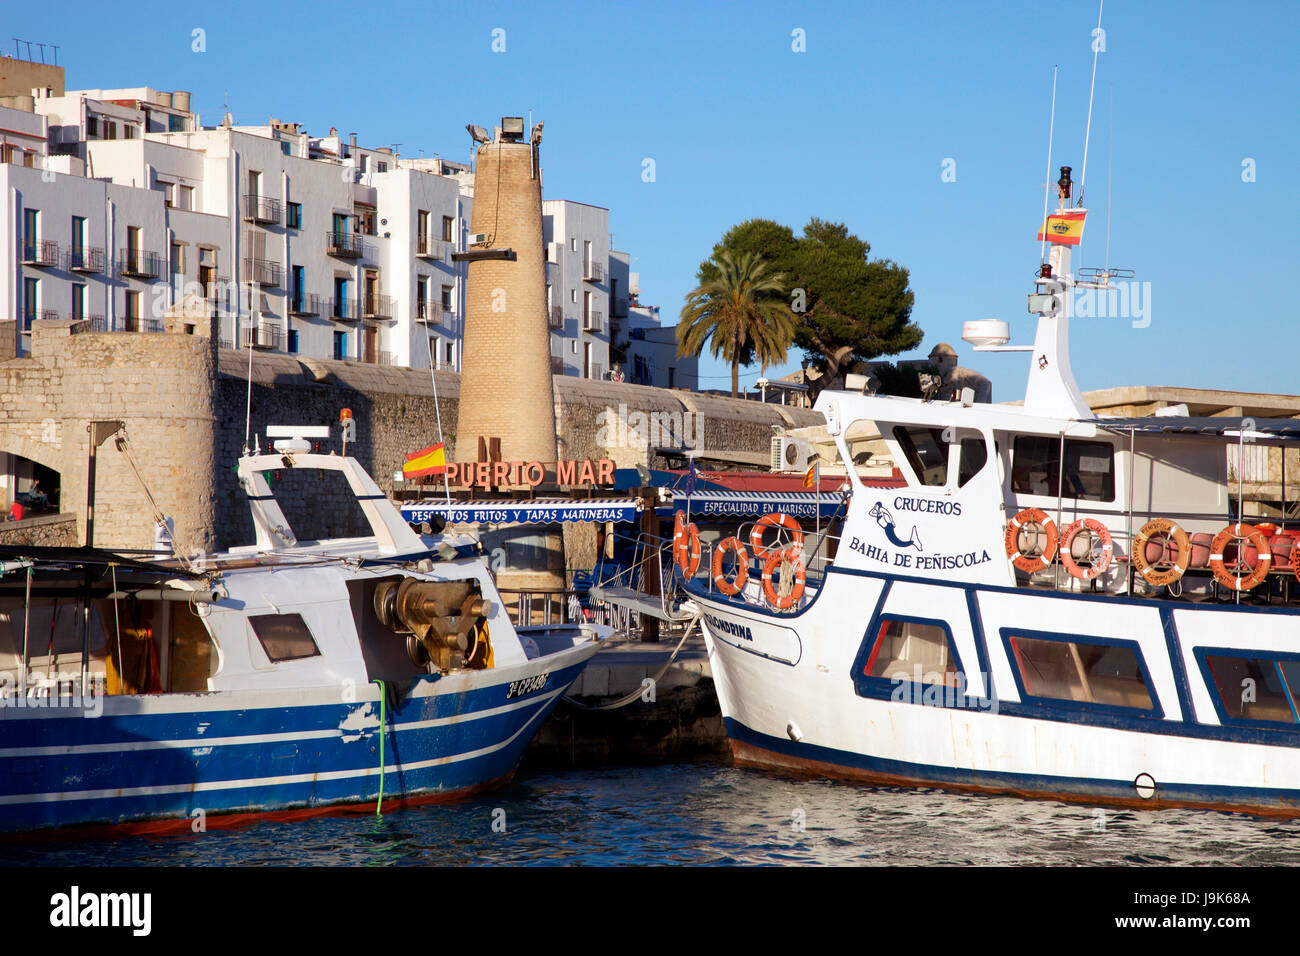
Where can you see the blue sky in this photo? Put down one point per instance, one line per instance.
(855, 129)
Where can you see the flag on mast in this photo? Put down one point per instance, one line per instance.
(1064, 228)
(813, 479)
(427, 461)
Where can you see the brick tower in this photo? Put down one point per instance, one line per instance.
(506, 389)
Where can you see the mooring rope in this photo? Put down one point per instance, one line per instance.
(636, 694)
(383, 724)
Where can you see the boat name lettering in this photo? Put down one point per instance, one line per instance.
(527, 685)
(928, 506)
(727, 627)
(946, 562)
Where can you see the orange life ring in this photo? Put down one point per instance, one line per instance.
(1153, 575)
(1025, 562)
(775, 520)
(1295, 557)
(1097, 529)
(730, 588)
(794, 556)
(686, 549)
(1263, 562)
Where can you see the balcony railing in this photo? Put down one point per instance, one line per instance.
(429, 248)
(555, 318)
(597, 372)
(345, 310)
(262, 271)
(86, 260)
(264, 335)
(42, 253)
(43, 315)
(139, 265)
(593, 272)
(376, 357)
(134, 323)
(215, 288)
(344, 245)
(376, 306)
(305, 303)
(261, 209)
(594, 322)
(557, 365)
(429, 312)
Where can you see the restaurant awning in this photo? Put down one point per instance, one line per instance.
(755, 504)
(535, 511)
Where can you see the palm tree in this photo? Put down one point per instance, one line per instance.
(743, 311)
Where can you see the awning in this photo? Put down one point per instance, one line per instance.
(755, 504)
(1257, 429)
(536, 511)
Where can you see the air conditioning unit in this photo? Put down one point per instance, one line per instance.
(479, 239)
(790, 454)
(552, 252)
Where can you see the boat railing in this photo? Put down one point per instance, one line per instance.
(529, 607)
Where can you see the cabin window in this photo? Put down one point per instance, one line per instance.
(1085, 673)
(974, 456)
(1089, 468)
(916, 651)
(927, 453)
(1252, 688)
(284, 637)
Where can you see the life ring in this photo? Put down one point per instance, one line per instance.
(1094, 528)
(686, 547)
(1295, 557)
(730, 588)
(1153, 575)
(794, 556)
(1025, 562)
(775, 520)
(1263, 562)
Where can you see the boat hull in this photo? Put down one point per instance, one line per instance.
(793, 698)
(168, 761)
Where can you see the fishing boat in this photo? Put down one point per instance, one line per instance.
(1056, 604)
(282, 679)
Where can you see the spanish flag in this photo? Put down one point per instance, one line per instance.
(1064, 228)
(428, 461)
(813, 477)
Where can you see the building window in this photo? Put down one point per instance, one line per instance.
(293, 215)
(133, 305)
(110, 130)
(340, 345)
(31, 292)
(31, 232)
(573, 296)
(448, 228)
(128, 131)
(451, 355)
(1080, 672)
(446, 297)
(168, 191)
(341, 298)
(422, 230)
(573, 243)
(293, 342)
(365, 219)
(1089, 468)
(185, 197)
(382, 166)
(92, 126)
(78, 302)
(284, 637)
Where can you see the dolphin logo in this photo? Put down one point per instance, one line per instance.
(886, 521)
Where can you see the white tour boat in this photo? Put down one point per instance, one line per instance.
(1055, 605)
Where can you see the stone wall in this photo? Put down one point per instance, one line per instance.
(46, 531)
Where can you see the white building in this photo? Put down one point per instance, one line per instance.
(119, 202)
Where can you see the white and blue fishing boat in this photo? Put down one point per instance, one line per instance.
(283, 679)
(1056, 604)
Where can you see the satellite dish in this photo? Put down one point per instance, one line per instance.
(478, 133)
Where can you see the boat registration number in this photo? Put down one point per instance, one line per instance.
(527, 685)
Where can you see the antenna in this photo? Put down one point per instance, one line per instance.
(1047, 185)
(1096, 50)
(1110, 166)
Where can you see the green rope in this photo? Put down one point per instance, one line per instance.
(383, 722)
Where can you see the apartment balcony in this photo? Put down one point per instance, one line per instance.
(555, 317)
(593, 322)
(41, 315)
(557, 365)
(262, 271)
(345, 310)
(134, 323)
(86, 260)
(376, 306)
(344, 245)
(261, 210)
(427, 248)
(304, 304)
(89, 323)
(215, 287)
(44, 253)
(593, 272)
(431, 313)
(134, 264)
(376, 357)
(263, 335)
